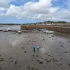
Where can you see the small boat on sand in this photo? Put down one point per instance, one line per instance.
(19, 32)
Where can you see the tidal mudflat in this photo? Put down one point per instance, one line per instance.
(16, 52)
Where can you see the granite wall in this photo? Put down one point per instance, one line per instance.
(58, 28)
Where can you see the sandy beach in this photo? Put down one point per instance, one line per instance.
(16, 52)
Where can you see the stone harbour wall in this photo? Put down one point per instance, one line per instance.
(58, 28)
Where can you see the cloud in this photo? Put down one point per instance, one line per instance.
(67, 3)
(13, 10)
(4, 3)
(2, 9)
(64, 14)
(41, 9)
(32, 9)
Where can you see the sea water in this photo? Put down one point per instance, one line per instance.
(12, 27)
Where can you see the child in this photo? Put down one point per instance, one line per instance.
(38, 47)
(34, 48)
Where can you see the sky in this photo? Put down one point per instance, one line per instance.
(31, 11)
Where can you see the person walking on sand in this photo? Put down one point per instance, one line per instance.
(34, 48)
(38, 47)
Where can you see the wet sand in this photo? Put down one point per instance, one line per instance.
(16, 52)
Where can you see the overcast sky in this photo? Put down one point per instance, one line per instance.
(28, 11)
